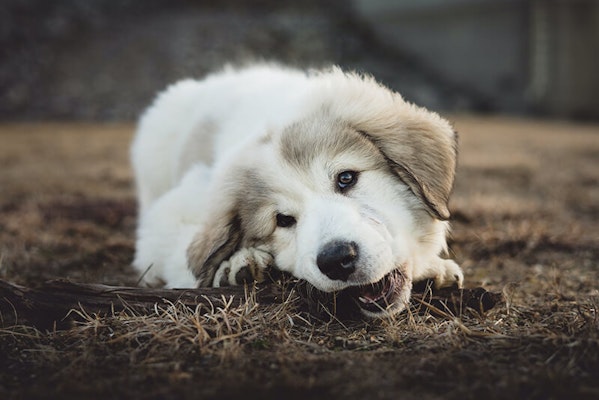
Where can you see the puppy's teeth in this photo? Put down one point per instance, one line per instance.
(363, 300)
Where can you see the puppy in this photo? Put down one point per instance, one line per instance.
(326, 175)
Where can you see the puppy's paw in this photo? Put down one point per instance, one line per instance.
(245, 266)
(449, 273)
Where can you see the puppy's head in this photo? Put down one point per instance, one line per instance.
(351, 198)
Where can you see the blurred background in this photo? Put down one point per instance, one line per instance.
(104, 60)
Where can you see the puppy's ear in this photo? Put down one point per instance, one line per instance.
(421, 148)
(215, 243)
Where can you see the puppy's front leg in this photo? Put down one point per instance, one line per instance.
(245, 266)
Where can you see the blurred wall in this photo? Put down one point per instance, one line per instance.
(564, 57)
(106, 59)
(537, 56)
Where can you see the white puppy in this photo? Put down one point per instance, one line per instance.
(326, 175)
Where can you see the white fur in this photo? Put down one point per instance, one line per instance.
(168, 224)
(197, 134)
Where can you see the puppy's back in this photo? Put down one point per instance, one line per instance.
(202, 120)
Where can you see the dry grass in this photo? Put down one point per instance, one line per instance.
(178, 352)
(526, 216)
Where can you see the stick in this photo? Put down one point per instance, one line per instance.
(49, 305)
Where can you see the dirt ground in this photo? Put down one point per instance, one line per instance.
(525, 223)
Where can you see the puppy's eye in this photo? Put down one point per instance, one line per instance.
(285, 221)
(346, 179)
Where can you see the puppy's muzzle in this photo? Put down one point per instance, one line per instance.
(337, 259)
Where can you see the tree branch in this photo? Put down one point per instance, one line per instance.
(48, 306)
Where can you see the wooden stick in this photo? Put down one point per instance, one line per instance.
(48, 306)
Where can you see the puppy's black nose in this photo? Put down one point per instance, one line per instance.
(337, 259)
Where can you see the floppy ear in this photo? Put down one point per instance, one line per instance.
(421, 148)
(215, 243)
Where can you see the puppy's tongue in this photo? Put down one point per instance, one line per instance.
(376, 292)
(380, 295)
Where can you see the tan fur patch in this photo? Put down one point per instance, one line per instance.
(213, 245)
(231, 228)
(422, 150)
(323, 136)
(419, 147)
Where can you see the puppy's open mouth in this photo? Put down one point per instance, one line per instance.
(385, 297)
(379, 296)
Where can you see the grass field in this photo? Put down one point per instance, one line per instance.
(525, 223)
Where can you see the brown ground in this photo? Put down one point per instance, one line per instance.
(525, 207)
